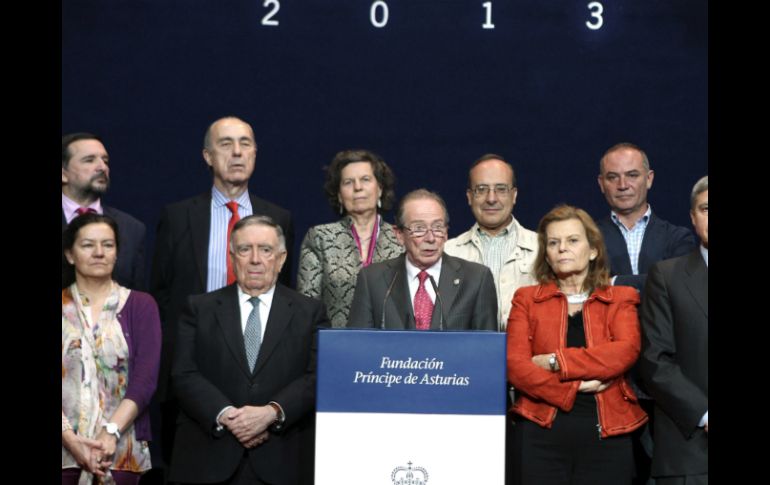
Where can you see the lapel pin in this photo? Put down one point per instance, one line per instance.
(456, 281)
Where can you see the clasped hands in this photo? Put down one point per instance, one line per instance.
(249, 424)
(90, 454)
(593, 386)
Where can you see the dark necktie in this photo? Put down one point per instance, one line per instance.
(234, 217)
(423, 306)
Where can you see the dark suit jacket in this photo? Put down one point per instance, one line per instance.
(662, 240)
(180, 263)
(674, 362)
(467, 291)
(129, 270)
(210, 372)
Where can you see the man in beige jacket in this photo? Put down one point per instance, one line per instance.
(497, 240)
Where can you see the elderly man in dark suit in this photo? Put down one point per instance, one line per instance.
(674, 358)
(244, 370)
(424, 288)
(635, 237)
(85, 178)
(191, 241)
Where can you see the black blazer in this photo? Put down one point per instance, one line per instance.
(210, 372)
(180, 262)
(467, 292)
(662, 240)
(129, 270)
(674, 362)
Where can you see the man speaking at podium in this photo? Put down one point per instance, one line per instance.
(424, 289)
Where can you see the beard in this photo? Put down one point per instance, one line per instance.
(95, 188)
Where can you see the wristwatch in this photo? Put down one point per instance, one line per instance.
(280, 418)
(112, 429)
(552, 362)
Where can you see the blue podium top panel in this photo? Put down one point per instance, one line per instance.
(422, 372)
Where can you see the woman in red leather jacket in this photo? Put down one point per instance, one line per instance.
(571, 340)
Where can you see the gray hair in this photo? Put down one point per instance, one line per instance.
(419, 194)
(624, 146)
(701, 186)
(258, 221)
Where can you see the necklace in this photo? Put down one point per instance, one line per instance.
(578, 298)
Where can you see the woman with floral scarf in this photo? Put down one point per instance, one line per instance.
(110, 356)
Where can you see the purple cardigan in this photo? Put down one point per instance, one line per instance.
(140, 322)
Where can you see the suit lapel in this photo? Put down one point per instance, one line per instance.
(451, 271)
(278, 321)
(228, 316)
(697, 280)
(651, 250)
(200, 226)
(620, 261)
(399, 299)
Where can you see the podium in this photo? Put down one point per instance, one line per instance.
(410, 407)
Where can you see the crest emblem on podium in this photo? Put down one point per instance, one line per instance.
(408, 475)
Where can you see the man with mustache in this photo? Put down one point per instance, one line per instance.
(497, 240)
(191, 255)
(85, 178)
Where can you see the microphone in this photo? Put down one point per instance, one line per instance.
(440, 301)
(385, 300)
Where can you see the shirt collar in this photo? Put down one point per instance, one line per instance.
(705, 253)
(644, 219)
(509, 229)
(219, 199)
(412, 271)
(265, 298)
(69, 207)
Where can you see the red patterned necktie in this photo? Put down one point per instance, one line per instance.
(85, 210)
(423, 306)
(233, 206)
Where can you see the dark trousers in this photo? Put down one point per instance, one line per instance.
(244, 475)
(570, 453)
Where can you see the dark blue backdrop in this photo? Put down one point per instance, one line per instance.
(430, 92)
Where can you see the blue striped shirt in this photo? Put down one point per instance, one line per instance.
(634, 236)
(218, 244)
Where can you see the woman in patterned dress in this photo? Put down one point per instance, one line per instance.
(110, 357)
(359, 186)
